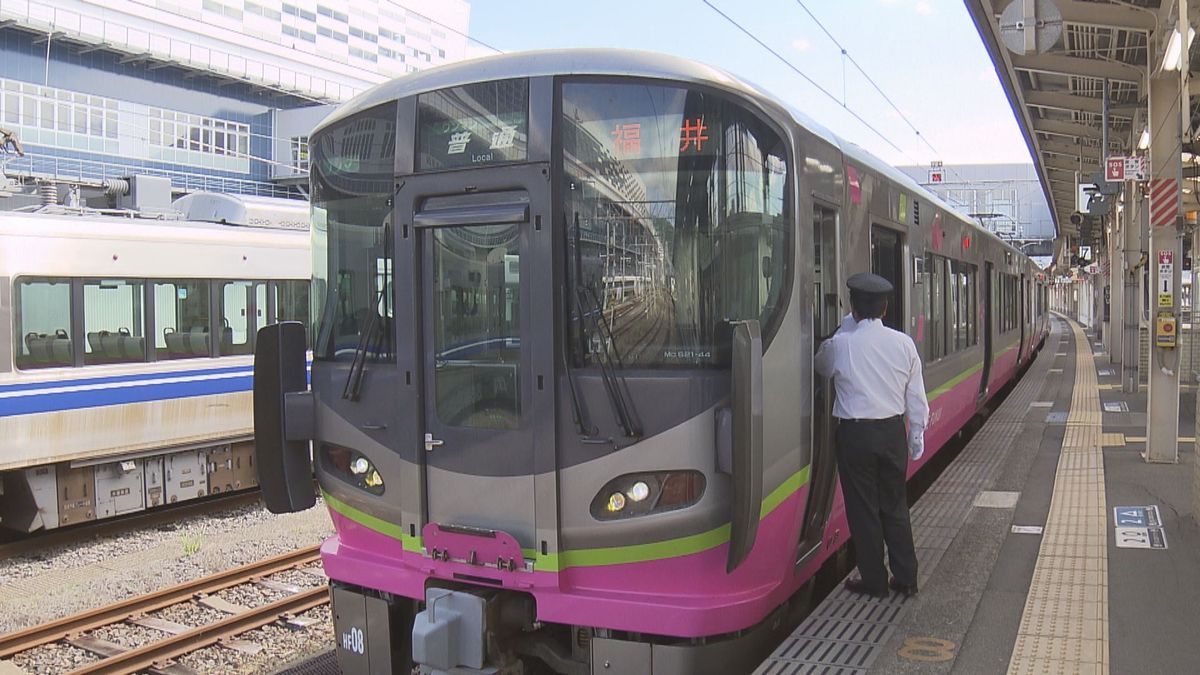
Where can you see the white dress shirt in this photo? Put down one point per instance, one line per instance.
(876, 372)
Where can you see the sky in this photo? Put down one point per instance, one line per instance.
(925, 55)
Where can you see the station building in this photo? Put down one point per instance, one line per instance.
(213, 95)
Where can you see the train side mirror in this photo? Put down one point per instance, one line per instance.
(283, 418)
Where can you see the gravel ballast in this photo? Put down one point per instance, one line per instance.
(64, 580)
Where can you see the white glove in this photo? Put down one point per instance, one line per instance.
(916, 444)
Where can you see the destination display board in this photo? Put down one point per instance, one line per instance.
(473, 125)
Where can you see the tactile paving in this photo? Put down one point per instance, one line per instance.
(847, 632)
(1064, 626)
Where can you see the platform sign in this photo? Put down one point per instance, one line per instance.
(1136, 516)
(1166, 279)
(1141, 537)
(1118, 169)
(1114, 169)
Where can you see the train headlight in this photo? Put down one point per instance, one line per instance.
(352, 467)
(616, 502)
(640, 494)
(639, 491)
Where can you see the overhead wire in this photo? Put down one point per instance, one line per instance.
(819, 88)
(850, 57)
(802, 74)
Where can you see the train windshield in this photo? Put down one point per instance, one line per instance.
(677, 223)
(353, 164)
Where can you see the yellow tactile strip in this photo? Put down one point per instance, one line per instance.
(1064, 628)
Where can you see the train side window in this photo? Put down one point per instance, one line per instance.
(962, 304)
(260, 306)
(935, 331)
(42, 323)
(954, 313)
(825, 286)
(886, 253)
(114, 320)
(972, 279)
(181, 319)
(237, 306)
(292, 303)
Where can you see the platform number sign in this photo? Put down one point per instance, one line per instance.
(1139, 527)
(353, 641)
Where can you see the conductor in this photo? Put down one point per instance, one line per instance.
(877, 378)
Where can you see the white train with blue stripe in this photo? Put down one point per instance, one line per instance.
(126, 358)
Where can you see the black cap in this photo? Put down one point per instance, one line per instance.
(870, 284)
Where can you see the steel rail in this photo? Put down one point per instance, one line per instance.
(147, 656)
(23, 640)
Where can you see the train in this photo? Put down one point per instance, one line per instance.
(126, 352)
(562, 408)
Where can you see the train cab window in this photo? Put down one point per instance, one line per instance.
(352, 164)
(677, 223)
(238, 304)
(113, 321)
(181, 319)
(42, 323)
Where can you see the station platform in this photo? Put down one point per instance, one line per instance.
(1022, 566)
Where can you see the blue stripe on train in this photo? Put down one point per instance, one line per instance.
(118, 379)
(75, 400)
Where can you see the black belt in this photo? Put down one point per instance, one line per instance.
(880, 421)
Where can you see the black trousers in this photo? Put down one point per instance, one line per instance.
(872, 456)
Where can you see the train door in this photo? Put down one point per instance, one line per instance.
(987, 330)
(482, 283)
(826, 317)
(887, 260)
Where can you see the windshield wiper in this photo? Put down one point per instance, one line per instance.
(614, 384)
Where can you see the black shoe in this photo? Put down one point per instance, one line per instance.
(903, 589)
(860, 586)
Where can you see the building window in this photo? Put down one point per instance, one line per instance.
(300, 153)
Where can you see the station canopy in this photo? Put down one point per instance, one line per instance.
(1053, 70)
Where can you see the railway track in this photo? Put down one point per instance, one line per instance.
(179, 639)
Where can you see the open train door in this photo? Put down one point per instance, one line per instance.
(826, 317)
(987, 330)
